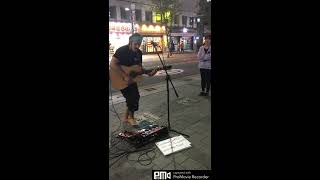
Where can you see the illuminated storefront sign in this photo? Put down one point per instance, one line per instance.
(183, 34)
(153, 29)
(166, 17)
(118, 27)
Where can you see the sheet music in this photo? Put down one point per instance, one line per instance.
(177, 143)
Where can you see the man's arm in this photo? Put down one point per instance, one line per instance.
(140, 64)
(152, 73)
(200, 53)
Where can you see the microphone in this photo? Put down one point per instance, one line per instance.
(154, 43)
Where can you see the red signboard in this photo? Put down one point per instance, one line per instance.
(119, 27)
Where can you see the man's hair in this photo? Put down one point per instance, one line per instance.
(136, 37)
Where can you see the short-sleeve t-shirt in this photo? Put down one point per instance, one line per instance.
(127, 57)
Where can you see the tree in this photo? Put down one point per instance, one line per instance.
(204, 9)
(167, 10)
(204, 13)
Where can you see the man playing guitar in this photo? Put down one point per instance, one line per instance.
(127, 56)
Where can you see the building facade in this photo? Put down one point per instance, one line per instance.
(123, 16)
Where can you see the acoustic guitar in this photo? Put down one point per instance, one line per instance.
(135, 72)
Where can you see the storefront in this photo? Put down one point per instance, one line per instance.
(151, 33)
(187, 42)
(119, 34)
(186, 37)
(176, 41)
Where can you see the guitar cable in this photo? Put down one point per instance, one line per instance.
(112, 139)
(144, 158)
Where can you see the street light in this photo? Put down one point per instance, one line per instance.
(132, 12)
(133, 6)
(200, 31)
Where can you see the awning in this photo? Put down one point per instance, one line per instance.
(183, 34)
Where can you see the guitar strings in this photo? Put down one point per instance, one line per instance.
(113, 133)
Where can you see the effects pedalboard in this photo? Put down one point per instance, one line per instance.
(145, 134)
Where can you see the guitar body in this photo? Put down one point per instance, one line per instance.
(118, 82)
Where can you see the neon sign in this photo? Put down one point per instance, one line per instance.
(119, 27)
(151, 29)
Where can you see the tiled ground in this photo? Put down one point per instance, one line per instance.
(193, 119)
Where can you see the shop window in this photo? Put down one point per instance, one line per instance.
(191, 21)
(138, 15)
(158, 17)
(147, 47)
(184, 20)
(148, 16)
(176, 19)
(112, 12)
(124, 14)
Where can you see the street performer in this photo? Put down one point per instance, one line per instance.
(129, 55)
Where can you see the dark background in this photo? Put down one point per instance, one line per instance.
(263, 107)
(55, 84)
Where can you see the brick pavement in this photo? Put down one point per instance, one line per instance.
(193, 119)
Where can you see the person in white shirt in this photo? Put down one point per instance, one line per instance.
(204, 57)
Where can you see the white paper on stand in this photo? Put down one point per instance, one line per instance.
(173, 145)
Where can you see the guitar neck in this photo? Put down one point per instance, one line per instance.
(157, 69)
(146, 71)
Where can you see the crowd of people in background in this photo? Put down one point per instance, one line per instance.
(180, 47)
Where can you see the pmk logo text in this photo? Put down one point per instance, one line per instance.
(161, 175)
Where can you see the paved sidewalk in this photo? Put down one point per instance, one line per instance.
(154, 57)
(149, 59)
(193, 117)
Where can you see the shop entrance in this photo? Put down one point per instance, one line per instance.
(147, 47)
(188, 42)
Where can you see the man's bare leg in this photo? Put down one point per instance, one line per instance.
(126, 116)
(131, 119)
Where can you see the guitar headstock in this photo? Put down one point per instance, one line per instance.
(168, 67)
(158, 68)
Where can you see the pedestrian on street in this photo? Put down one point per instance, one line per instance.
(181, 47)
(171, 47)
(204, 57)
(129, 55)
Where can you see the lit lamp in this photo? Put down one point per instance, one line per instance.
(199, 33)
(185, 30)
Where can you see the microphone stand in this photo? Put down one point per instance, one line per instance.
(168, 78)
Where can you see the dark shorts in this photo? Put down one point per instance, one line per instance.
(132, 96)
